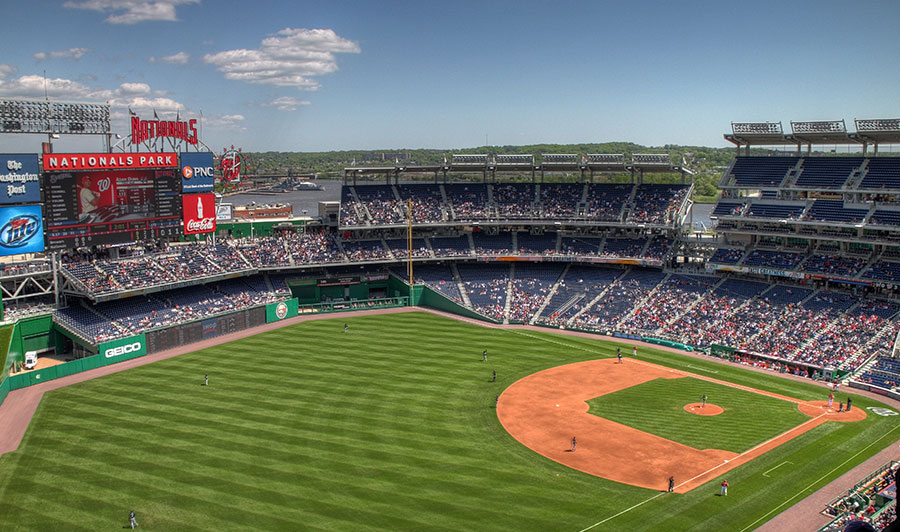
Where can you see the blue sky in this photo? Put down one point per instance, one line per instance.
(312, 76)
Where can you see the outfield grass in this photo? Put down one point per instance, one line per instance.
(657, 407)
(388, 427)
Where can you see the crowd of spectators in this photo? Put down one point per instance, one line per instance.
(861, 502)
(126, 317)
(671, 298)
(387, 204)
(657, 204)
(529, 289)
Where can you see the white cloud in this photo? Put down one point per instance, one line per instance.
(232, 122)
(286, 103)
(71, 53)
(6, 70)
(290, 58)
(137, 96)
(132, 11)
(181, 58)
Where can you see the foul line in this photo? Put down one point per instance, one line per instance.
(598, 523)
(766, 474)
(763, 518)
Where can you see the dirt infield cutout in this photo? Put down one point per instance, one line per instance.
(708, 409)
(543, 411)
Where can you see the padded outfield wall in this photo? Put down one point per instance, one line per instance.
(41, 334)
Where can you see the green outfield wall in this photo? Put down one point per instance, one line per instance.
(432, 299)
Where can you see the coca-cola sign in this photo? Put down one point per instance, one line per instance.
(199, 213)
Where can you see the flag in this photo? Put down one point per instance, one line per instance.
(156, 116)
(130, 112)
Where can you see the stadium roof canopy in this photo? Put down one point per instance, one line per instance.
(868, 131)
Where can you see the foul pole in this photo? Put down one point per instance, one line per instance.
(409, 262)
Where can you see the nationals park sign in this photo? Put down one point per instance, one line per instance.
(60, 162)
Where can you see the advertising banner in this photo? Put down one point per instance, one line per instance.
(19, 178)
(281, 310)
(210, 327)
(122, 349)
(62, 162)
(199, 213)
(197, 173)
(21, 230)
(225, 211)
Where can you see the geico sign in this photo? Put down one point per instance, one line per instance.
(122, 350)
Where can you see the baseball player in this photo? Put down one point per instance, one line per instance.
(634, 351)
(495, 376)
(620, 357)
(573, 444)
(671, 484)
(131, 520)
(346, 327)
(849, 402)
(206, 380)
(830, 399)
(702, 400)
(484, 356)
(724, 491)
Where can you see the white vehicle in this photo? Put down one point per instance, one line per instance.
(30, 359)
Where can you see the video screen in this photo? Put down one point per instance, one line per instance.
(109, 207)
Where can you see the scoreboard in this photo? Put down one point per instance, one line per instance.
(87, 208)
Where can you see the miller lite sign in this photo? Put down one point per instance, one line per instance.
(197, 172)
(199, 213)
(21, 230)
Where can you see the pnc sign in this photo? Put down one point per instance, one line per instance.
(197, 172)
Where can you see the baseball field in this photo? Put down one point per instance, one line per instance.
(393, 426)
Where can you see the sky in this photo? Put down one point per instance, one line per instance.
(318, 76)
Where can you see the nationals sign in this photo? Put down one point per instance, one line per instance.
(199, 213)
(144, 130)
(57, 162)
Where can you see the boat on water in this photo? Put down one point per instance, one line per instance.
(308, 185)
(255, 211)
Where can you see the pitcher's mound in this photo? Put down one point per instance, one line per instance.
(708, 410)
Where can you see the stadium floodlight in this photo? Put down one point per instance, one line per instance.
(514, 160)
(651, 159)
(46, 117)
(559, 158)
(606, 158)
(818, 126)
(756, 128)
(469, 160)
(878, 125)
(878, 131)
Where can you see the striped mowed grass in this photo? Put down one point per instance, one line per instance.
(390, 426)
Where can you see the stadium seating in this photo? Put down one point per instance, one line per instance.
(761, 171)
(834, 211)
(826, 172)
(882, 173)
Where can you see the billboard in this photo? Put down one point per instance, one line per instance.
(19, 178)
(225, 211)
(199, 213)
(122, 349)
(197, 173)
(281, 310)
(62, 162)
(21, 230)
(110, 207)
